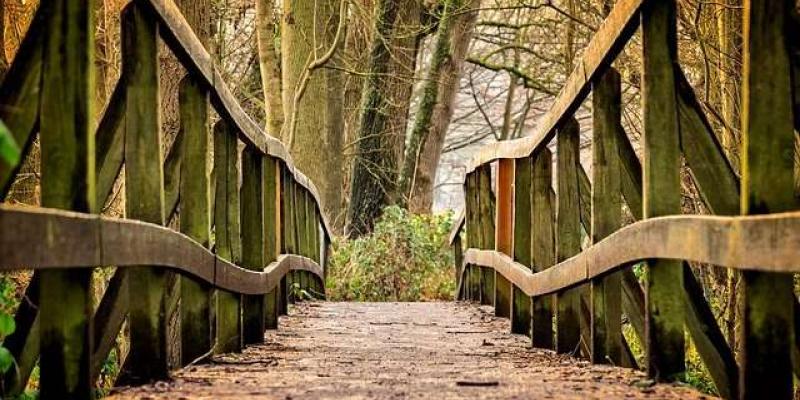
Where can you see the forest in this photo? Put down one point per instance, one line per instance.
(383, 103)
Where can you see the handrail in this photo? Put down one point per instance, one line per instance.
(767, 243)
(42, 238)
(604, 47)
(182, 40)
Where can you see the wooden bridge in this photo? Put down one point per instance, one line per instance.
(527, 252)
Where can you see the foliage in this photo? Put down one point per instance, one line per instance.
(9, 151)
(404, 259)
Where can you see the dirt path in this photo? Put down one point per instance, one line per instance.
(399, 351)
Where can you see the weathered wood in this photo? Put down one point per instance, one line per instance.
(523, 193)
(543, 242)
(472, 291)
(110, 143)
(144, 195)
(607, 42)
(631, 175)
(195, 216)
(188, 48)
(488, 207)
(753, 243)
(20, 93)
(662, 188)
(606, 293)
(108, 319)
(68, 177)
(172, 175)
(253, 247)
(710, 168)
(227, 233)
(288, 239)
(272, 235)
(23, 343)
(497, 286)
(767, 187)
(86, 240)
(568, 325)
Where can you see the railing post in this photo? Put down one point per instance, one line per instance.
(68, 173)
(767, 332)
(522, 221)
(288, 223)
(568, 329)
(144, 191)
(503, 232)
(606, 293)
(227, 233)
(472, 275)
(195, 217)
(272, 237)
(253, 244)
(662, 188)
(543, 244)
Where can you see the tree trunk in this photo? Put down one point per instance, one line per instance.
(421, 198)
(404, 44)
(269, 65)
(307, 32)
(373, 168)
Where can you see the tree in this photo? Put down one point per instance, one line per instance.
(419, 172)
(372, 181)
(269, 65)
(312, 100)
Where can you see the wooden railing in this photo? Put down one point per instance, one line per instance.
(525, 251)
(270, 237)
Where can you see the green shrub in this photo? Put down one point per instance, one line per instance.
(406, 258)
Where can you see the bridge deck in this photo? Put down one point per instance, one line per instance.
(400, 350)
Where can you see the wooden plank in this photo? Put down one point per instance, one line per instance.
(767, 187)
(272, 235)
(710, 168)
(568, 324)
(68, 177)
(662, 188)
(227, 233)
(498, 287)
(110, 143)
(486, 203)
(631, 175)
(144, 195)
(543, 240)
(195, 216)
(108, 319)
(606, 293)
(20, 93)
(253, 247)
(23, 343)
(473, 234)
(523, 194)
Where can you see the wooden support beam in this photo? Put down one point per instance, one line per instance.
(662, 188)
(195, 216)
(272, 237)
(523, 245)
(568, 233)
(23, 344)
(498, 286)
(486, 202)
(710, 168)
(227, 233)
(473, 235)
(767, 187)
(144, 185)
(606, 293)
(543, 241)
(110, 143)
(20, 95)
(253, 244)
(68, 182)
